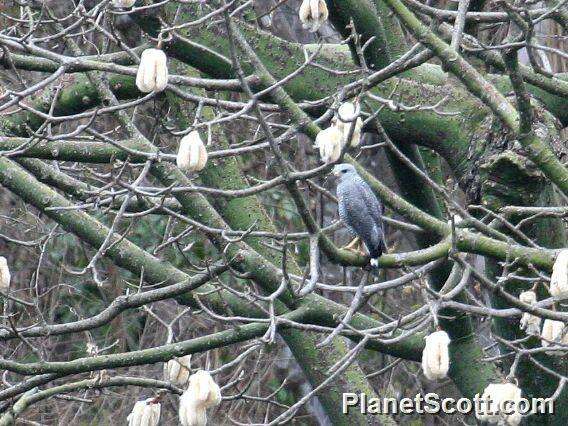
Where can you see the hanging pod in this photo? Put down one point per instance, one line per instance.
(152, 73)
(494, 409)
(313, 14)
(436, 356)
(145, 413)
(192, 154)
(202, 393)
(177, 370)
(329, 143)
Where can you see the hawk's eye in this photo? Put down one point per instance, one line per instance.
(343, 171)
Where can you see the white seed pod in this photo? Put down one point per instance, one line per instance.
(559, 277)
(5, 276)
(177, 370)
(346, 114)
(152, 73)
(204, 389)
(529, 323)
(124, 4)
(202, 393)
(553, 332)
(498, 399)
(145, 413)
(313, 13)
(190, 413)
(329, 143)
(192, 154)
(436, 356)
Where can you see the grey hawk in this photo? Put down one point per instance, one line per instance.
(360, 210)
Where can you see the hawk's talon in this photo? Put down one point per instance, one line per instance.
(353, 245)
(356, 246)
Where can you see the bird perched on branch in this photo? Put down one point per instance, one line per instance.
(360, 211)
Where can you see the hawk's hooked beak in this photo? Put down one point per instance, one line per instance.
(336, 171)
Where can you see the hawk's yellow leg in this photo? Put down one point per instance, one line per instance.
(356, 246)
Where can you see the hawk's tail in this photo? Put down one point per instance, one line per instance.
(374, 267)
(382, 249)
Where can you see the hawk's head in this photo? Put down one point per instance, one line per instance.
(344, 170)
